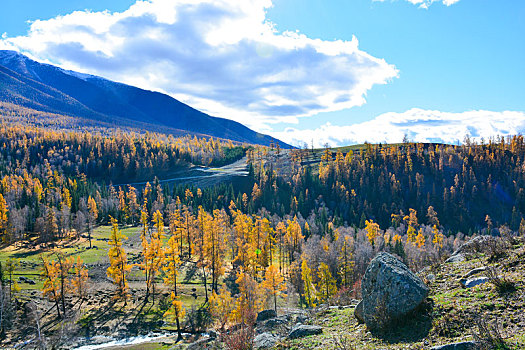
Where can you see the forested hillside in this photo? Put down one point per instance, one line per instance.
(469, 186)
(299, 232)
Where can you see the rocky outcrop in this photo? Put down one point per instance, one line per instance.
(302, 330)
(390, 291)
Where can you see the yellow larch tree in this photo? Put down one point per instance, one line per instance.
(4, 210)
(51, 287)
(80, 279)
(420, 239)
(372, 231)
(249, 301)
(308, 285)
(438, 238)
(273, 283)
(92, 217)
(215, 247)
(171, 270)
(222, 307)
(119, 267)
(156, 249)
(326, 285)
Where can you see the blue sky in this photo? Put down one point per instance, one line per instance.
(414, 70)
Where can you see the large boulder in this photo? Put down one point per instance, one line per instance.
(390, 291)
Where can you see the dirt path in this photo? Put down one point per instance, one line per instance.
(203, 176)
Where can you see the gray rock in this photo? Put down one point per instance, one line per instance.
(212, 333)
(274, 322)
(469, 283)
(475, 272)
(473, 245)
(465, 345)
(302, 330)
(390, 291)
(265, 341)
(358, 312)
(456, 258)
(301, 319)
(199, 344)
(266, 315)
(431, 277)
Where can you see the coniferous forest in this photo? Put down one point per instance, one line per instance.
(86, 210)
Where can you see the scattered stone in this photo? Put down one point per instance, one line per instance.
(301, 330)
(469, 283)
(265, 341)
(199, 344)
(390, 291)
(456, 258)
(431, 277)
(266, 315)
(465, 345)
(301, 319)
(212, 333)
(475, 272)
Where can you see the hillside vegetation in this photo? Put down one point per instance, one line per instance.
(90, 258)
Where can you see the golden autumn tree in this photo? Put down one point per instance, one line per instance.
(215, 246)
(154, 252)
(119, 267)
(51, 287)
(4, 210)
(62, 267)
(92, 217)
(308, 285)
(172, 264)
(204, 225)
(222, 307)
(326, 285)
(80, 278)
(438, 238)
(420, 239)
(273, 283)
(372, 231)
(249, 301)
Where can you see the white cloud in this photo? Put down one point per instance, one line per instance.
(219, 56)
(426, 3)
(418, 124)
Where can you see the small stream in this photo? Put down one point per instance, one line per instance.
(101, 342)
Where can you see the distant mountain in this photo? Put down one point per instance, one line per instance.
(51, 89)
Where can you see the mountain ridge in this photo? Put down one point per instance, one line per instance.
(52, 89)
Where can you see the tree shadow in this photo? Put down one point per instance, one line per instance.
(412, 328)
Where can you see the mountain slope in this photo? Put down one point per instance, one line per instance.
(52, 89)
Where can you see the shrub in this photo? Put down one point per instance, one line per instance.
(488, 336)
(501, 282)
(239, 339)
